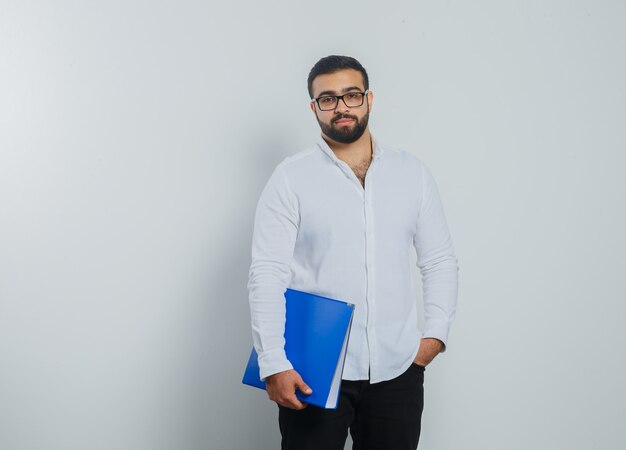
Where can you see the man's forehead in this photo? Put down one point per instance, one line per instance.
(338, 82)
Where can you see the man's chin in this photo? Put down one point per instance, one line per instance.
(343, 139)
(346, 134)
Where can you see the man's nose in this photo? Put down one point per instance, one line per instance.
(341, 106)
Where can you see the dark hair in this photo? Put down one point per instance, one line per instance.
(334, 63)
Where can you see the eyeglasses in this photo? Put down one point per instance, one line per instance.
(330, 102)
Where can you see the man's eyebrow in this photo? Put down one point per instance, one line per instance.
(343, 91)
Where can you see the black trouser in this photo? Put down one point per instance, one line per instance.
(380, 416)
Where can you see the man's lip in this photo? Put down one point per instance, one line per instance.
(344, 121)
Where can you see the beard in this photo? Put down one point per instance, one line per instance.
(345, 135)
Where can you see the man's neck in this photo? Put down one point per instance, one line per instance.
(358, 150)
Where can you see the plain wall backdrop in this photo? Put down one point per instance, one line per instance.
(135, 139)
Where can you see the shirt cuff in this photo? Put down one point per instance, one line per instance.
(272, 362)
(438, 330)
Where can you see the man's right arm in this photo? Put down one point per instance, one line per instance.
(273, 241)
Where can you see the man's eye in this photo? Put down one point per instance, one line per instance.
(352, 96)
(327, 100)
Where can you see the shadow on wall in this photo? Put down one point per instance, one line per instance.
(231, 415)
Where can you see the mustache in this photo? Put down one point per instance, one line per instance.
(345, 116)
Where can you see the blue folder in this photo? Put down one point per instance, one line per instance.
(316, 338)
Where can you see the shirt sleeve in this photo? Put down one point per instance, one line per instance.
(437, 262)
(275, 230)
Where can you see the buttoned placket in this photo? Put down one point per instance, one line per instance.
(370, 269)
(366, 196)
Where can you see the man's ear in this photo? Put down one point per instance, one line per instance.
(370, 100)
(312, 106)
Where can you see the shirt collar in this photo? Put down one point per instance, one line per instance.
(323, 145)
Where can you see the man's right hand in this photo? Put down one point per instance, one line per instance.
(281, 388)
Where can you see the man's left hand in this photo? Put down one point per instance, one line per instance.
(429, 348)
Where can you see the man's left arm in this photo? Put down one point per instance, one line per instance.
(429, 348)
(439, 269)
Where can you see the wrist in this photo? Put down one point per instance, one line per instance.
(432, 346)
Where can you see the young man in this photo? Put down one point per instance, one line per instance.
(339, 220)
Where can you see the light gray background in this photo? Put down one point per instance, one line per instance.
(135, 140)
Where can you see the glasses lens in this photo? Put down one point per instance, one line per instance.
(326, 103)
(353, 99)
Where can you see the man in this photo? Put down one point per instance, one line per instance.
(339, 220)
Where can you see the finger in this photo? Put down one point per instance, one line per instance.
(293, 403)
(302, 386)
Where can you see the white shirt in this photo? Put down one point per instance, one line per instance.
(318, 230)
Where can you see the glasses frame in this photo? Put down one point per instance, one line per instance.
(341, 97)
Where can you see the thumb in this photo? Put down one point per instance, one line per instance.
(302, 387)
